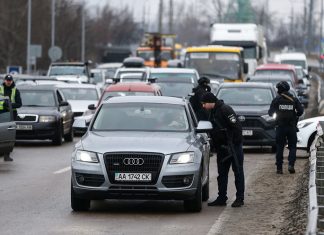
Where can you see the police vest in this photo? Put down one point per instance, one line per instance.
(286, 110)
(12, 98)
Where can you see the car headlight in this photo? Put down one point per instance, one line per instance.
(88, 112)
(182, 158)
(269, 118)
(46, 118)
(85, 156)
(303, 124)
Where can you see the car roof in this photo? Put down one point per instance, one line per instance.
(123, 69)
(68, 63)
(132, 86)
(172, 70)
(270, 77)
(75, 85)
(38, 87)
(109, 65)
(147, 99)
(292, 56)
(276, 67)
(245, 84)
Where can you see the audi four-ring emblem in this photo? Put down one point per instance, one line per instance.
(133, 161)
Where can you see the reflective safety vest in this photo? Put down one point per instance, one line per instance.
(12, 98)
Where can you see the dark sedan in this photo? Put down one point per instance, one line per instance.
(251, 102)
(45, 114)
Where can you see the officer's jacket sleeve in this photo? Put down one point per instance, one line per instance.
(230, 117)
(18, 102)
(273, 107)
(299, 107)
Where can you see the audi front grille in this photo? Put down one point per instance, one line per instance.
(27, 118)
(130, 162)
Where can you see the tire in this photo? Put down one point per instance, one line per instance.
(69, 136)
(57, 140)
(205, 190)
(310, 141)
(195, 204)
(273, 149)
(78, 204)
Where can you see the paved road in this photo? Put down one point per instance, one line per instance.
(35, 199)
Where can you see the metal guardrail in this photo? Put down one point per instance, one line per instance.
(315, 224)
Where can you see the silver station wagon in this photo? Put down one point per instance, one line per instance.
(142, 147)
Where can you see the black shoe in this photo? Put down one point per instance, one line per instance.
(217, 202)
(279, 171)
(291, 169)
(238, 203)
(7, 158)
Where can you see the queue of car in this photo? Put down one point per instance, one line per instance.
(145, 146)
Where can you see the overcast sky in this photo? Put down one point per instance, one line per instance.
(282, 8)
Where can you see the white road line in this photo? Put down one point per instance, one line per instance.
(62, 170)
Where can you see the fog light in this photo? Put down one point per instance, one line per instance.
(80, 179)
(186, 180)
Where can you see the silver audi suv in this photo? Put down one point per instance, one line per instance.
(142, 147)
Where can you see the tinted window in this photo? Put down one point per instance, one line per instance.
(142, 117)
(79, 93)
(245, 96)
(67, 70)
(5, 117)
(125, 93)
(37, 98)
(175, 89)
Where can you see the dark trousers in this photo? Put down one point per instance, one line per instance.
(223, 170)
(283, 134)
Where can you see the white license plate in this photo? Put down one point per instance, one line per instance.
(146, 177)
(247, 132)
(24, 127)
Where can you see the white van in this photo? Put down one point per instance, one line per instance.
(294, 58)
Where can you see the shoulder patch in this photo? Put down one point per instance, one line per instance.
(232, 118)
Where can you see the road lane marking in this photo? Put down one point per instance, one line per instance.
(62, 170)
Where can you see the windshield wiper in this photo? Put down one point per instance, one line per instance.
(218, 75)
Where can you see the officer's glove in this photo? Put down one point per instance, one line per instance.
(6, 104)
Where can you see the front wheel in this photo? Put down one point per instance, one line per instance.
(78, 204)
(70, 135)
(205, 190)
(57, 140)
(195, 204)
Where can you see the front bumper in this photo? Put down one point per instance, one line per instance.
(260, 137)
(153, 190)
(39, 130)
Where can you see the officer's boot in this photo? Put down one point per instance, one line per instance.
(7, 157)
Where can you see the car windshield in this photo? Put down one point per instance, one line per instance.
(141, 117)
(78, 93)
(273, 82)
(215, 64)
(97, 77)
(175, 89)
(300, 73)
(131, 75)
(67, 70)
(274, 72)
(110, 94)
(191, 76)
(245, 96)
(37, 98)
(301, 63)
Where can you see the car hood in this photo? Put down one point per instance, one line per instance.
(81, 105)
(37, 110)
(117, 141)
(257, 110)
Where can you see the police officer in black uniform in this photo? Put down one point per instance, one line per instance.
(227, 139)
(287, 109)
(195, 100)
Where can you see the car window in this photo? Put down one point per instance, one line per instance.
(5, 117)
(245, 96)
(37, 98)
(59, 96)
(80, 93)
(67, 70)
(193, 116)
(175, 89)
(110, 94)
(275, 72)
(142, 117)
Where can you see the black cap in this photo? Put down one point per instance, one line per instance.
(203, 80)
(208, 97)
(283, 86)
(8, 77)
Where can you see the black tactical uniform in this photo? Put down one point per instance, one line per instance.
(287, 109)
(227, 131)
(195, 100)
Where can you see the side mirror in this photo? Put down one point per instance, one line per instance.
(91, 107)
(80, 124)
(204, 126)
(64, 103)
(300, 81)
(92, 75)
(109, 81)
(248, 79)
(246, 68)
(309, 69)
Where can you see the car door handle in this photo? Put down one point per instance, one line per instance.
(12, 128)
